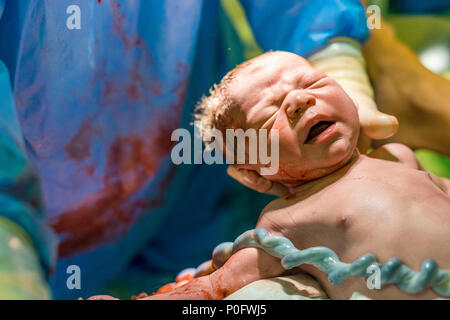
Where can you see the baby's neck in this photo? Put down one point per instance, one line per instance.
(329, 178)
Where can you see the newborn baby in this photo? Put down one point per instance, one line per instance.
(384, 203)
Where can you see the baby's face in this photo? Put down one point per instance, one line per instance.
(317, 122)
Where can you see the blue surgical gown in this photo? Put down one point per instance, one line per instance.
(86, 117)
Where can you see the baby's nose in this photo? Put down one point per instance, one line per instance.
(297, 102)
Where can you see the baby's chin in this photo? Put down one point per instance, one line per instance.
(289, 175)
(294, 178)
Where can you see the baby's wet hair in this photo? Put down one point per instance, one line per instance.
(215, 110)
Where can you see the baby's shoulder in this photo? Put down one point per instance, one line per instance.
(396, 152)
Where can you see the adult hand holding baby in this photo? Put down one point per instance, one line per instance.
(408, 90)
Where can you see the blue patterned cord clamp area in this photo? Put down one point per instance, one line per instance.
(325, 259)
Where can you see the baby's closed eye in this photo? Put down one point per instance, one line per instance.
(316, 81)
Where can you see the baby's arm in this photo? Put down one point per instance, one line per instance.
(244, 267)
(400, 153)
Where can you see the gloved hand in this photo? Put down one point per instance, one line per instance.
(21, 274)
(343, 61)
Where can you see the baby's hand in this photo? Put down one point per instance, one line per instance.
(254, 181)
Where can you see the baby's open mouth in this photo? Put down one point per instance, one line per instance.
(317, 129)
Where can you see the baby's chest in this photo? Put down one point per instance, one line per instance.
(340, 204)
